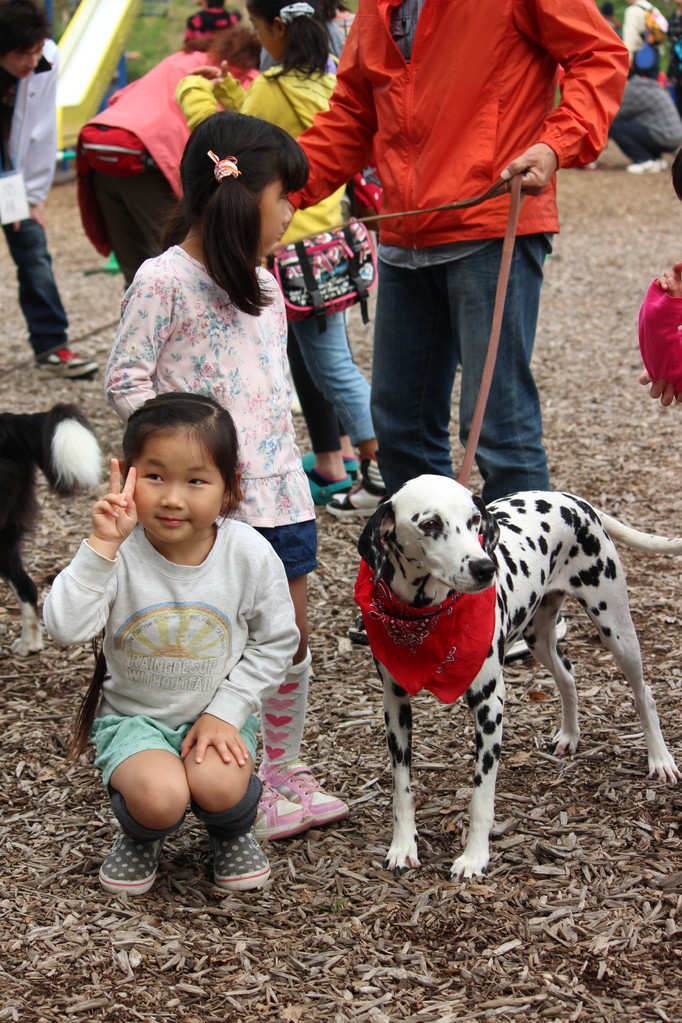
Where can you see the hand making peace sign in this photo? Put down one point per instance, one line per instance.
(114, 516)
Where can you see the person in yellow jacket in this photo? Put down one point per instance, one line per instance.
(290, 94)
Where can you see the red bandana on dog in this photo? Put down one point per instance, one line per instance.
(440, 648)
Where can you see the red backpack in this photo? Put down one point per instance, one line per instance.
(114, 151)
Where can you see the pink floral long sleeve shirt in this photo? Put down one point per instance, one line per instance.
(180, 332)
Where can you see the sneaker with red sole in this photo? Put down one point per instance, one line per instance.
(296, 782)
(66, 364)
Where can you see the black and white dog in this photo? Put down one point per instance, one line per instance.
(433, 545)
(62, 445)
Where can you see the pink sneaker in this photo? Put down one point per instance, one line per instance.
(277, 817)
(295, 781)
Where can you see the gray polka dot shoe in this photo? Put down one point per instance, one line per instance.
(130, 866)
(239, 864)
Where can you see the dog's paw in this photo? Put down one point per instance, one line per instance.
(664, 768)
(400, 859)
(565, 743)
(468, 865)
(24, 648)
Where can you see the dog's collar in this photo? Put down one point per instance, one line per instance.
(440, 648)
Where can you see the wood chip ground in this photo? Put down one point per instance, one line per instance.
(578, 918)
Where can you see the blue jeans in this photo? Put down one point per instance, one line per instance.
(635, 140)
(330, 364)
(38, 296)
(435, 319)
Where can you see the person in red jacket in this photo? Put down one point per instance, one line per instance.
(443, 99)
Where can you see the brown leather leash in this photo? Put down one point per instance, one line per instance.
(493, 343)
(513, 186)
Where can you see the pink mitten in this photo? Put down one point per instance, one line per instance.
(660, 335)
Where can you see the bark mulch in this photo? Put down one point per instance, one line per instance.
(578, 917)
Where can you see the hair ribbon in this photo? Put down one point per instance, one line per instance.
(226, 168)
(299, 10)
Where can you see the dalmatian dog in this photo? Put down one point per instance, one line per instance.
(432, 547)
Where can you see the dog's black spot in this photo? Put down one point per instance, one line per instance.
(545, 526)
(414, 517)
(395, 751)
(496, 750)
(489, 727)
(477, 780)
(542, 544)
(511, 564)
(543, 576)
(398, 690)
(592, 576)
(483, 694)
(542, 506)
(518, 502)
(603, 605)
(605, 630)
(488, 763)
(483, 713)
(524, 568)
(510, 583)
(530, 542)
(498, 719)
(610, 571)
(595, 611)
(405, 716)
(565, 661)
(478, 739)
(518, 617)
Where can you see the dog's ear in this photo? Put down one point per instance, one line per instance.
(370, 545)
(490, 531)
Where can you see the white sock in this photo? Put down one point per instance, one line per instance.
(283, 716)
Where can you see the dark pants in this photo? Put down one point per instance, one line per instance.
(38, 296)
(134, 210)
(635, 140)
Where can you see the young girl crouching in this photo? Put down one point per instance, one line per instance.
(206, 317)
(198, 627)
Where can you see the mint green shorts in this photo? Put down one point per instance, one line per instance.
(117, 738)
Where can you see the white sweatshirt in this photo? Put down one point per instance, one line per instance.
(33, 136)
(181, 640)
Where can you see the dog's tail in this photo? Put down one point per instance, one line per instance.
(639, 541)
(71, 456)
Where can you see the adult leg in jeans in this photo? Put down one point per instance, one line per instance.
(635, 140)
(319, 414)
(330, 364)
(38, 295)
(413, 373)
(427, 322)
(510, 454)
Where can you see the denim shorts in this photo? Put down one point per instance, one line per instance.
(117, 738)
(295, 545)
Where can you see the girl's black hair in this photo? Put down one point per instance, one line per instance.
(227, 212)
(200, 416)
(677, 174)
(307, 40)
(211, 426)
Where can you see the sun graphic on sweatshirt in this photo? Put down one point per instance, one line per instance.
(195, 632)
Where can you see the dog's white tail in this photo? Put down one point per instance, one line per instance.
(638, 540)
(76, 457)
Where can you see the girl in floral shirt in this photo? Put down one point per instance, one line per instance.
(207, 318)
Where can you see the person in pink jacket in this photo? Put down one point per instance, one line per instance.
(128, 155)
(660, 325)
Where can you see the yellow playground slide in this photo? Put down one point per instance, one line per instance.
(89, 52)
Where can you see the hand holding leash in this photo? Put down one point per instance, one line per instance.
(536, 167)
(115, 516)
